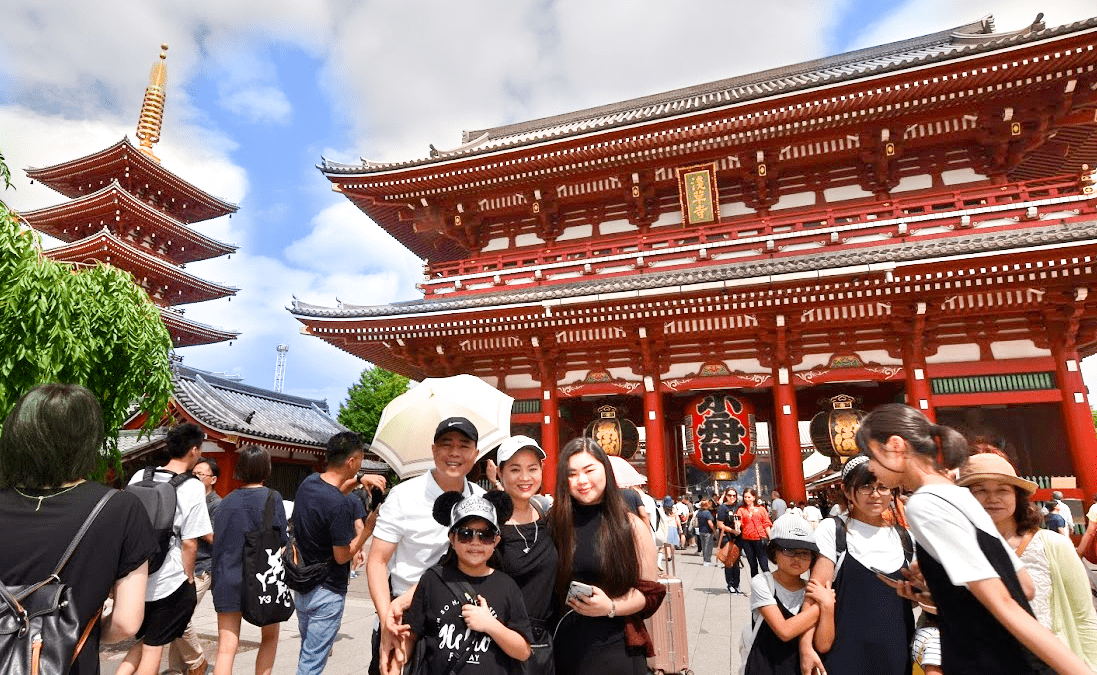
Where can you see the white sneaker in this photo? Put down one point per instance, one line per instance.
(708, 564)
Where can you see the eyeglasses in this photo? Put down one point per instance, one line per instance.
(465, 535)
(203, 475)
(796, 553)
(867, 490)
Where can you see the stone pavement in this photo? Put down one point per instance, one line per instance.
(714, 622)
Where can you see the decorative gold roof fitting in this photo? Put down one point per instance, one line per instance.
(152, 109)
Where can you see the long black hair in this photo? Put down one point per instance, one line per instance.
(618, 562)
(945, 446)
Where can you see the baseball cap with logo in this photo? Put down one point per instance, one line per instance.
(516, 443)
(473, 507)
(790, 531)
(461, 424)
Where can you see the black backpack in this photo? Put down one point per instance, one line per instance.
(39, 627)
(159, 502)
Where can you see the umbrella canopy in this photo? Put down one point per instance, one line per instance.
(405, 432)
(625, 474)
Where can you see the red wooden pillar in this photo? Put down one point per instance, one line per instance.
(656, 437)
(1077, 419)
(919, 392)
(786, 447)
(226, 465)
(550, 436)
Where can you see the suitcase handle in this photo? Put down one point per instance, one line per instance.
(668, 555)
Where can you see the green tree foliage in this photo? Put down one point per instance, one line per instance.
(367, 398)
(86, 325)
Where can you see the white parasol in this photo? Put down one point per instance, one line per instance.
(406, 429)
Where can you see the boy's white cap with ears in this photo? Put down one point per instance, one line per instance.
(791, 531)
(474, 506)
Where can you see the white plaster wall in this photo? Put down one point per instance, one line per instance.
(837, 194)
(575, 232)
(812, 360)
(497, 244)
(624, 373)
(919, 182)
(615, 226)
(729, 209)
(671, 218)
(528, 239)
(682, 370)
(748, 366)
(793, 200)
(879, 356)
(958, 176)
(521, 381)
(955, 354)
(1017, 349)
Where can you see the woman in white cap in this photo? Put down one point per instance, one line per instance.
(527, 550)
(873, 625)
(978, 583)
(1063, 601)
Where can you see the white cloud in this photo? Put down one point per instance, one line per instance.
(258, 103)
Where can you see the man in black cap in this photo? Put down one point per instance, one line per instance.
(406, 538)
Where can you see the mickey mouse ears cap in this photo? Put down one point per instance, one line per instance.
(473, 507)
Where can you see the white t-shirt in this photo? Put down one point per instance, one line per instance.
(681, 510)
(812, 514)
(191, 521)
(760, 595)
(405, 519)
(836, 510)
(879, 547)
(949, 536)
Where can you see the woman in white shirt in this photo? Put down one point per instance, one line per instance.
(976, 580)
(872, 625)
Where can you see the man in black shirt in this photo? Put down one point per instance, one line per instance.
(329, 525)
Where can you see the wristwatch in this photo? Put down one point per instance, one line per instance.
(612, 609)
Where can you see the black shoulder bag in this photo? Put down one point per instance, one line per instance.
(266, 597)
(40, 631)
(301, 576)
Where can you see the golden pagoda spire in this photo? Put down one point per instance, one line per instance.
(152, 110)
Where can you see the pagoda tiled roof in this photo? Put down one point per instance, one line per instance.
(765, 271)
(190, 204)
(183, 287)
(59, 221)
(233, 407)
(188, 333)
(967, 40)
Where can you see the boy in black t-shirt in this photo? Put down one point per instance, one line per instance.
(482, 628)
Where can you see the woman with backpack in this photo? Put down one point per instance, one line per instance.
(873, 626)
(241, 512)
(50, 443)
(528, 553)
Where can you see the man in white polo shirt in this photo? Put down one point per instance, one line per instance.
(406, 539)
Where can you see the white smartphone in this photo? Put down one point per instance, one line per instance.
(579, 589)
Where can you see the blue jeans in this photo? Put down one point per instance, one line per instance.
(319, 613)
(705, 545)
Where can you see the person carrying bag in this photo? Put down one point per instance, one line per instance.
(266, 597)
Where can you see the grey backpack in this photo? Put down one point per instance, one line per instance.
(159, 501)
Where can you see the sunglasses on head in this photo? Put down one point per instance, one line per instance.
(465, 535)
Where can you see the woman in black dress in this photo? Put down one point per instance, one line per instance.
(526, 547)
(608, 549)
(240, 512)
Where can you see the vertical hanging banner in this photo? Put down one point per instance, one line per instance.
(721, 430)
(698, 194)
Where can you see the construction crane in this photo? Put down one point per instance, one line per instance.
(280, 369)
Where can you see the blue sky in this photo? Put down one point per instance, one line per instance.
(258, 91)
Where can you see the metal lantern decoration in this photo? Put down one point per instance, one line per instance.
(833, 429)
(720, 431)
(616, 436)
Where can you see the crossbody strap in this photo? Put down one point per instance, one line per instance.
(464, 593)
(268, 511)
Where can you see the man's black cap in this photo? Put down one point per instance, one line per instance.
(461, 424)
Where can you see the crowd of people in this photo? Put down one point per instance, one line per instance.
(931, 558)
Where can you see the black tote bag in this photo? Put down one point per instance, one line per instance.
(266, 597)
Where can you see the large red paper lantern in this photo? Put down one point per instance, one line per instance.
(617, 436)
(721, 431)
(833, 430)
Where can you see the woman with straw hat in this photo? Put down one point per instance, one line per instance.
(1062, 602)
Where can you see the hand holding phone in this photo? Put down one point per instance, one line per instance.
(578, 589)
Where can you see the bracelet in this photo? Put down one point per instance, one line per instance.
(612, 609)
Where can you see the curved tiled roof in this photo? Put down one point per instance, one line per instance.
(237, 408)
(1002, 241)
(969, 39)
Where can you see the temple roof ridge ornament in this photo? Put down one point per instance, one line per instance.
(152, 109)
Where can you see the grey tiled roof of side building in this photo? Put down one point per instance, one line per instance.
(971, 38)
(897, 252)
(234, 407)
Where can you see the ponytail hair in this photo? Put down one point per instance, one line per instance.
(945, 446)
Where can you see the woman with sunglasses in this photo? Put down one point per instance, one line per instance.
(755, 523)
(728, 523)
(872, 625)
(977, 582)
(610, 552)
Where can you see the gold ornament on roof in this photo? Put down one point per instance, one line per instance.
(152, 109)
